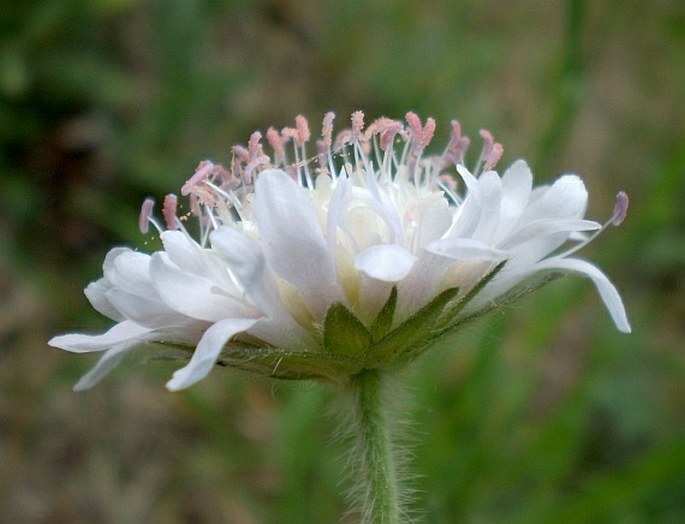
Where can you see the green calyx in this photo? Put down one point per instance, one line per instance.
(350, 347)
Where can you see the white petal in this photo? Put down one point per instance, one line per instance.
(533, 231)
(131, 273)
(96, 294)
(606, 289)
(517, 182)
(470, 210)
(122, 332)
(419, 287)
(490, 187)
(207, 351)
(386, 262)
(337, 210)
(107, 362)
(192, 295)
(293, 243)
(148, 311)
(184, 252)
(244, 257)
(464, 249)
(384, 207)
(566, 198)
(434, 218)
(108, 269)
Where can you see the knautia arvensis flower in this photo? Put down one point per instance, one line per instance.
(360, 258)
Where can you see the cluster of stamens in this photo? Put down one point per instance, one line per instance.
(386, 147)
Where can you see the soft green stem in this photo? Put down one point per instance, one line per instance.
(374, 448)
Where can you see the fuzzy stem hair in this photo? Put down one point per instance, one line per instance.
(373, 449)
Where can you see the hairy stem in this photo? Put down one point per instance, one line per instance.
(375, 457)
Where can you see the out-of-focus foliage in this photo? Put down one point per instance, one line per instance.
(543, 414)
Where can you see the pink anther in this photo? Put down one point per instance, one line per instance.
(422, 134)
(496, 152)
(488, 142)
(455, 134)
(254, 148)
(169, 211)
(620, 209)
(262, 160)
(358, 126)
(388, 129)
(241, 153)
(202, 172)
(145, 214)
(457, 146)
(302, 126)
(327, 128)
(277, 143)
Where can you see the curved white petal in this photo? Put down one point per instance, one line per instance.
(384, 207)
(539, 229)
(131, 273)
(149, 311)
(108, 270)
(337, 209)
(192, 295)
(517, 183)
(245, 258)
(434, 218)
(122, 332)
(606, 289)
(208, 350)
(292, 240)
(107, 362)
(490, 188)
(464, 249)
(386, 262)
(566, 198)
(96, 294)
(470, 210)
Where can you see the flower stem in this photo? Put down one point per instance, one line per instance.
(377, 466)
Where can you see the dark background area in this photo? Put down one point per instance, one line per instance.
(543, 413)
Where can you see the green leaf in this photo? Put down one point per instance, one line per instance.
(294, 365)
(512, 296)
(343, 333)
(451, 317)
(383, 321)
(414, 332)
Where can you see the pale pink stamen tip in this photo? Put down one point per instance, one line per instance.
(276, 141)
(414, 122)
(327, 128)
(202, 172)
(169, 211)
(254, 148)
(620, 209)
(456, 130)
(428, 132)
(422, 134)
(145, 214)
(489, 141)
(358, 125)
(302, 127)
(389, 130)
(494, 156)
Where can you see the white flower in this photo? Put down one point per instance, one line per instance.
(363, 261)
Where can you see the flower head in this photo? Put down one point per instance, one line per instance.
(322, 268)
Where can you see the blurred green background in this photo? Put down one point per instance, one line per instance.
(543, 413)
